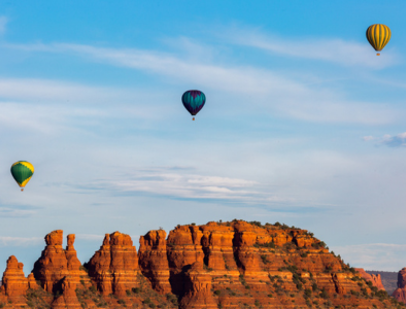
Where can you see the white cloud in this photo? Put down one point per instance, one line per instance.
(163, 182)
(398, 140)
(248, 86)
(6, 241)
(3, 24)
(379, 256)
(331, 50)
(368, 138)
(49, 107)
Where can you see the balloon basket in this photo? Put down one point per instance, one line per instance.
(22, 189)
(193, 118)
(378, 54)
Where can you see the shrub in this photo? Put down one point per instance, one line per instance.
(265, 245)
(146, 301)
(257, 223)
(307, 292)
(128, 292)
(352, 269)
(135, 290)
(264, 259)
(323, 294)
(217, 292)
(92, 289)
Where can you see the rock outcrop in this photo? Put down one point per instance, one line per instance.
(374, 279)
(14, 283)
(114, 267)
(400, 292)
(198, 286)
(152, 256)
(68, 299)
(52, 266)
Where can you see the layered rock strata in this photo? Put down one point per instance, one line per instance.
(114, 267)
(218, 265)
(153, 261)
(14, 283)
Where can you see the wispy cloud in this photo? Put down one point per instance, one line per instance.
(167, 183)
(348, 53)
(15, 213)
(90, 237)
(49, 107)
(398, 140)
(290, 97)
(379, 256)
(6, 241)
(3, 24)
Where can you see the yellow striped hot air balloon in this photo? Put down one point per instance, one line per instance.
(22, 172)
(378, 36)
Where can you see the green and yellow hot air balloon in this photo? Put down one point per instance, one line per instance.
(378, 36)
(22, 172)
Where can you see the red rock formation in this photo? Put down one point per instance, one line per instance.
(400, 292)
(52, 266)
(153, 261)
(76, 272)
(217, 243)
(115, 266)
(68, 299)
(183, 249)
(32, 283)
(230, 265)
(198, 289)
(56, 263)
(375, 279)
(14, 283)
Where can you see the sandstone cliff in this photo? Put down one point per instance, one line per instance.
(234, 264)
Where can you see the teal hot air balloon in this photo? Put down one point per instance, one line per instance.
(193, 100)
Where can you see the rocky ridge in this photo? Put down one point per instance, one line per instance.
(234, 264)
(375, 279)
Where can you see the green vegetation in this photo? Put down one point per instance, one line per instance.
(265, 245)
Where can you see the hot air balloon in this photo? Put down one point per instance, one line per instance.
(378, 36)
(193, 100)
(22, 172)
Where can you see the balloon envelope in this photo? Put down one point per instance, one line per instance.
(22, 172)
(378, 36)
(193, 100)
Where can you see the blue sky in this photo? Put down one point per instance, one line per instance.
(303, 123)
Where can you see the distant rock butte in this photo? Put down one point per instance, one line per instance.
(374, 279)
(218, 265)
(400, 292)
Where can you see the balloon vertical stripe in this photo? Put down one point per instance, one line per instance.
(378, 36)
